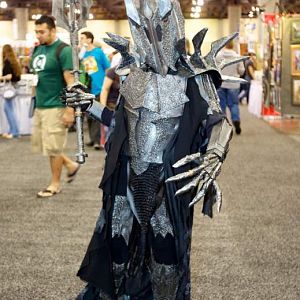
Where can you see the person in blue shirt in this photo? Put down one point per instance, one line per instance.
(95, 64)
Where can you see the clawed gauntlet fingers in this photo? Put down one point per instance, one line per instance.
(184, 175)
(189, 186)
(201, 176)
(201, 191)
(197, 158)
(77, 86)
(187, 159)
(207, 181)
(77, 98)
(206, 163)
(218, 195)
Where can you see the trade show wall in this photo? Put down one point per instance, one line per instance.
(217, 28)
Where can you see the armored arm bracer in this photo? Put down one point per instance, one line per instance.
(100, 113)
(219, 140)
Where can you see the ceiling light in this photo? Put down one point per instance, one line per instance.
(3, 4)
(196, 9)
(36, 17)
(195, 15)
(198, 2)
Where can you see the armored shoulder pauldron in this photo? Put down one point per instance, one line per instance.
(205, 69)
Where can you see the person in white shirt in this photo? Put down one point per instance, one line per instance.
(229, 91)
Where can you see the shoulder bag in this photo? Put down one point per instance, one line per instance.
(9, 91)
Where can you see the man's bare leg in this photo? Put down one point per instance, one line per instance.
(56, 164)
(69, 164)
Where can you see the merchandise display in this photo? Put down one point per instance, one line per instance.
(295, 60)
(281, 67)
(272, 64)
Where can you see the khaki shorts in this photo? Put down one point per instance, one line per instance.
(49, 134)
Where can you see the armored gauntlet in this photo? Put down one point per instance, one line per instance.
(209, 165)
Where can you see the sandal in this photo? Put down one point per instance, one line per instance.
(71, 177)
(7, 136)
(47, 193)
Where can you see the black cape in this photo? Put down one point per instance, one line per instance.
(192, 135)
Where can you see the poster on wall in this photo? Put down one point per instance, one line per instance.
(296, 91)
(295, 60)
(295, 31)
(277, 72)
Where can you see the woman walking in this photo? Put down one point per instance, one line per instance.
(11, 72)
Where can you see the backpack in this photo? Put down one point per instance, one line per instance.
(60, 47)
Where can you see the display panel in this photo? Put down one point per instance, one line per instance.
(296, 91)
(295, 32)
(295, 60)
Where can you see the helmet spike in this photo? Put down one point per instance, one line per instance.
(227, 63)
(121, 45)
(165, 7)
(232, 79)
(198, 40)
(196, 58)
(132, 12)
(216, 46)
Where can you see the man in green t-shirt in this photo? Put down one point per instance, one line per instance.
(53, 64)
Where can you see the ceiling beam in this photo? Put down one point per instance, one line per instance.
(114, 9)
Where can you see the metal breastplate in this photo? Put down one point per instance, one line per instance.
(154, 105)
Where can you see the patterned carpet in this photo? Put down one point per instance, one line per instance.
(249, 251)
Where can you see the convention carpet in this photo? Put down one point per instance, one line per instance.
(249, 251)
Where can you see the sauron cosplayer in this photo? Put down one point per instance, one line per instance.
(168, 143)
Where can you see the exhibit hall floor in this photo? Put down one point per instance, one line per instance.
(249, 251)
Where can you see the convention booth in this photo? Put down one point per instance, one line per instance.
(281, 66)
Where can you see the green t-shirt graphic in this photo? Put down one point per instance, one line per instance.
(49, 68)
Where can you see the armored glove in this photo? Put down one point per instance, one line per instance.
(77, 95)
(209, 165)
(202, 176)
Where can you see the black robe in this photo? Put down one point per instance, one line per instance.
(192, 136)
